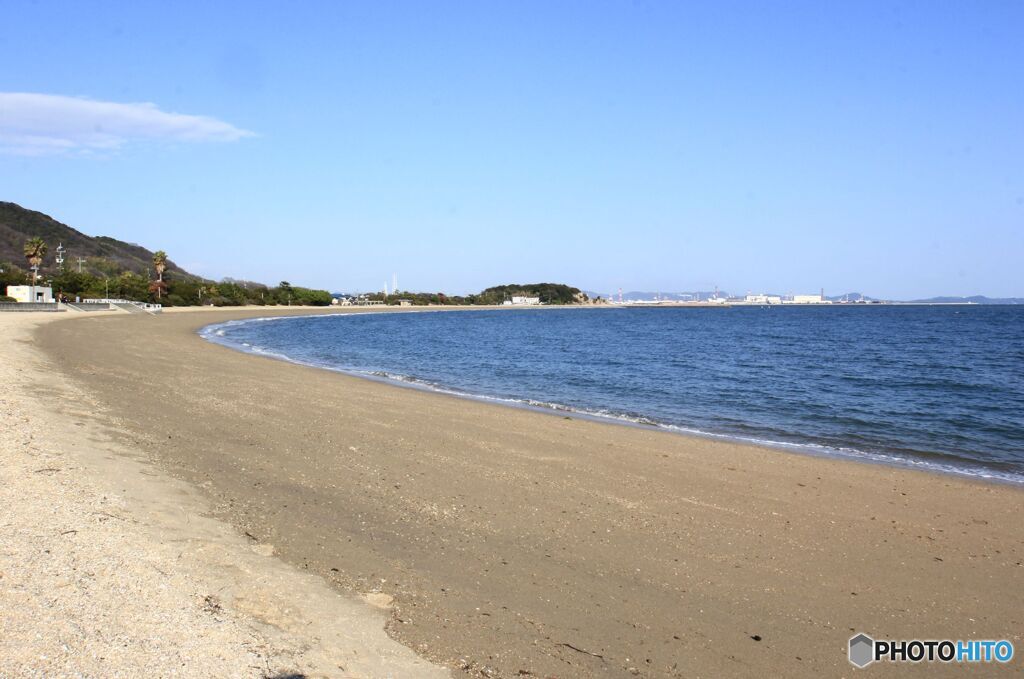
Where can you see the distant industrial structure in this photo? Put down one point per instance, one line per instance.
(806, 299)
(763, 299)
(717, 298)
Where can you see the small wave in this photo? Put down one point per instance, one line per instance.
(220, 333)
(906, 461)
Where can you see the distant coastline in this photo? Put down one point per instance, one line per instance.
(719, 297)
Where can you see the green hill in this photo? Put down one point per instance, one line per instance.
(549, 293)
(18, 224)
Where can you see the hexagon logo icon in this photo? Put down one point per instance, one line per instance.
(862, 650)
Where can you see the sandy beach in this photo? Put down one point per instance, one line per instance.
(111, 568)
(496, 541)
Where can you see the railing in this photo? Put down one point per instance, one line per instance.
(85, 305)
(129, 305)
(144, 305)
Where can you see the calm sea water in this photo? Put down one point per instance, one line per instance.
(937, 387)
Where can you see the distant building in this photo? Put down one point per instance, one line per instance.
(523, 301)
(23, 293)
(808, 299)
(763, 299)
(405, 302)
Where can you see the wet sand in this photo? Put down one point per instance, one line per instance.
(516, 543)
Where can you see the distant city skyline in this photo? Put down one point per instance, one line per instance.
(869, 147)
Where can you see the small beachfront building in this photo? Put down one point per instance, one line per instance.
(24, 293)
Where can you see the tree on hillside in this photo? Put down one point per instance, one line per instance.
(35, 250)
(160, 264)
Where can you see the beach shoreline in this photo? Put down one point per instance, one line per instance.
(922, 460)
(508, 540)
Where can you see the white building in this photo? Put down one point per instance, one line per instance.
(23, 293)
(762, 299)
(523, 301)
(808, 299)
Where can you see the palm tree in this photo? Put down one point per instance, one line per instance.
(160, 264)
(35, 250)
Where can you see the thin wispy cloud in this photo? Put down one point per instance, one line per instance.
(49, 124)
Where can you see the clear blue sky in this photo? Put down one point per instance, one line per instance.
(781, 147)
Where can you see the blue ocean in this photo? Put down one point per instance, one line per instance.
(936, 387)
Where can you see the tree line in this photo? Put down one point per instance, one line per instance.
(104, 278)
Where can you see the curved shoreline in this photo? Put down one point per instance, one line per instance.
(935, 463)
(506, 540)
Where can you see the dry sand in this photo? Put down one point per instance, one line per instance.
(110, 568)
(515, 543)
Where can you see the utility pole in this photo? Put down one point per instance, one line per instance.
(80, 263)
